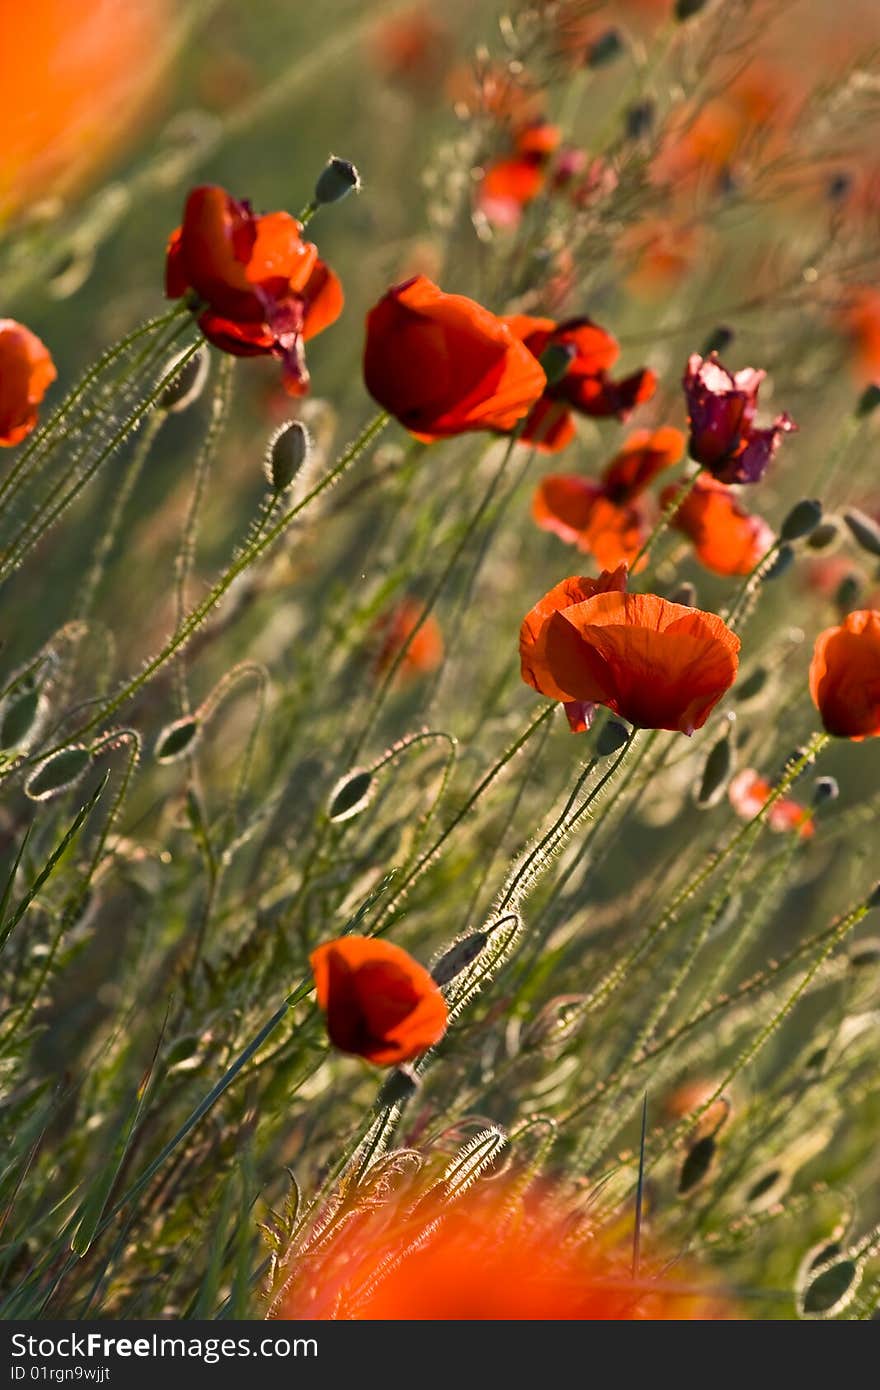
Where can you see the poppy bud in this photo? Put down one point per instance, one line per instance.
(686, 9)
(719, 340)
(58, 772)
(868, 401)
(176, 739)
(864, 529)
(802, 520)
(847, 594)
(831, 1290)
(458, 957)
(288, 450)
(839, 186)
(556, 360)
(716, 773)
(685, 594)
(612, 736)
(639, 119)
(873, 899)
(187, 385)
(753, 684)
(19, 716)
(781, 564)
(825, 789)
(336, 180)
(350, 796)
(697, 1163)
(605, 49)
(866, 953)
(398, 1087)
(825, 534)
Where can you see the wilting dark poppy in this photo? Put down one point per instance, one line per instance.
(749, 792)
(727, 540)
(260, 289)
(721, 411)
(605, 517)
(380, 1004)
(26, 373)
(585, 387)
(657, 664)
(393, 628)
(845, 676)
(444, 365)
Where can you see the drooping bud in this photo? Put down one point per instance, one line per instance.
(697, 1163)
(781, 564)
(716, 773)
(847, 594)
(58, 772)
(20, 714)
(719, 340)
(611, 737)
(825, 789)
(350, 796)
(556, 360)
(605, 49)
(825, 534)
(802, 520)
(287, 451)
(864, 529)
(873, 899)
(177, 739)
(753, 684)
(187, 385)
(336, 180)
(868, 401)
(458, 957)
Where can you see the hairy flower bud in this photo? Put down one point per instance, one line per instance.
(287, 451)
(802, 520)
(336, 180)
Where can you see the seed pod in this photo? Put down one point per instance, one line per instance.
(719, 340)
(351, 795)
(458, 957)
(177, 739)
(336, 180)
(825, 534)
(605, 49)
(288, 450)
(802, 520)
(697, 1163)
(825, 789)
(716, 773)
(781, 564)
(556, 360)
(20, 714)
(868, 401)
(611, 737)
(187, 385)
(864, 529)
(58, 772)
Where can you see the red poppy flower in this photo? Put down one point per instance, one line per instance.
(605, 518)
(586, 386)
(509, 185)
(262, 289)
(443, 364)
(657, 664)
(379, 1002)
(425, 651)
(721, 412)
(726, 538)
(859, 318)
(845, 676)
(749, 792)
(502, 1251)
(26, 372)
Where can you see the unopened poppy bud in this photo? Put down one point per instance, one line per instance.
(19, 716)
(336, 180)
(753, 684)
(639, 119)
(686, 9)
(719, 340)
(458, 957)
(825, 534)
(398, 1087)
(350, 796)
(685, 594)
(187, 385)
(612, 736)
(58, 772)
(802, 520)
(697, 1163)
(873, 899)
(605, 49)
(781, 564)
(556, 360)
(864, 529)
(716, 773)
(288, 450)
(868, 401)
(847, 594)
(825, 789)
(866, 953)
(177, 739)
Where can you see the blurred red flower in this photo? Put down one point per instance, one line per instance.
(727, 540)
(605, 518)
(585, 386)
(859, 319)
(657, 664)
(845, 676)
(261, 289)
(509, 185)
(444, 365)
(394, 629)
(721, 412)
(26, 372)
(413, 47)
(749, 792)
(380, 1004)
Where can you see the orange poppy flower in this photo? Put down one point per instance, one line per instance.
(606, 518)
(26, 372)
(859, 320)
(585, 387)
(261, 289)
(845, 676)
(496, 1254)
(444, 365)
(425, 651)
(379, 1002)
(412, 47)
(657, 664)
(726, 538)
(748, 792)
